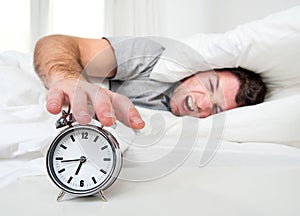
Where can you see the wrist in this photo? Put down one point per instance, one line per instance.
(58, 77)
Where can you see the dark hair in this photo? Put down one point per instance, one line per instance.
(252, 88)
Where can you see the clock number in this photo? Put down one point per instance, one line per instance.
(81, 183)
(84, 135)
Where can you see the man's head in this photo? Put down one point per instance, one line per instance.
(210, 92)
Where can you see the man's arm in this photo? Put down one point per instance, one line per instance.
(59, 61)
(62, 56)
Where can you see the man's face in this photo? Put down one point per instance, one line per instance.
(205, 94)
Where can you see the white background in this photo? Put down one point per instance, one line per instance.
(22, 22)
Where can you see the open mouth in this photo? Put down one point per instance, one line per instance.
(188, 103)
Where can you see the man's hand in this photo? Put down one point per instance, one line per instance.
(59, 61)
(107, 105)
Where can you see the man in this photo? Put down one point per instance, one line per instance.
(127, 63)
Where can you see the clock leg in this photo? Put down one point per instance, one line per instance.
(60, 196)
(102, 196)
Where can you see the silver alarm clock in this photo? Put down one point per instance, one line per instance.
(83, 160)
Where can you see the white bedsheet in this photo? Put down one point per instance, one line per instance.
(167, 142)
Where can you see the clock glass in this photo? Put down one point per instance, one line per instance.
(83, 160)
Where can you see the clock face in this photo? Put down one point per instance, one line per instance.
(83, 160)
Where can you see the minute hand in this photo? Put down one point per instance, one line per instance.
(71, 160)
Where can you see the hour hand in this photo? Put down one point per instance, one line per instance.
(82, 160)
(78, 169)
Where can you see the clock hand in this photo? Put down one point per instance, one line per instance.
(81, 161)
(70, 160)
(77, 171)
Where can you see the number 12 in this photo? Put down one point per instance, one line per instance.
(84, 135)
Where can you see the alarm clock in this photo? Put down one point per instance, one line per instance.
(83, 160)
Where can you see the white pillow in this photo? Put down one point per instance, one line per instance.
(199, 52)
(270, 122)
(270, 46)
(275, 121)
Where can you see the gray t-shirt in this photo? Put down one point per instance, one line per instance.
(136, 58)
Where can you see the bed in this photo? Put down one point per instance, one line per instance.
(241, 162)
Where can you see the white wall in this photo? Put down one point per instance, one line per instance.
(178, 18)
(83, 18)
(186, 17)
(14, 25)
(22, 22)
(226, 14)
(183, 17)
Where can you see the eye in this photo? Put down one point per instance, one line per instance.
(216, 109)
(211, 86)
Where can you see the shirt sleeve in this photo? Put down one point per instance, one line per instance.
(134, 55)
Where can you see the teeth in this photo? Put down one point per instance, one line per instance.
(189, 103)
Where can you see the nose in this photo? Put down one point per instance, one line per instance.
(203, 105)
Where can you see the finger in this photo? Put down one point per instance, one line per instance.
(126, 112)
(54, 100)
(103, 107)
(135, 120)
(79, 104)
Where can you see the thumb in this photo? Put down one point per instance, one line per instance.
(54, 100)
